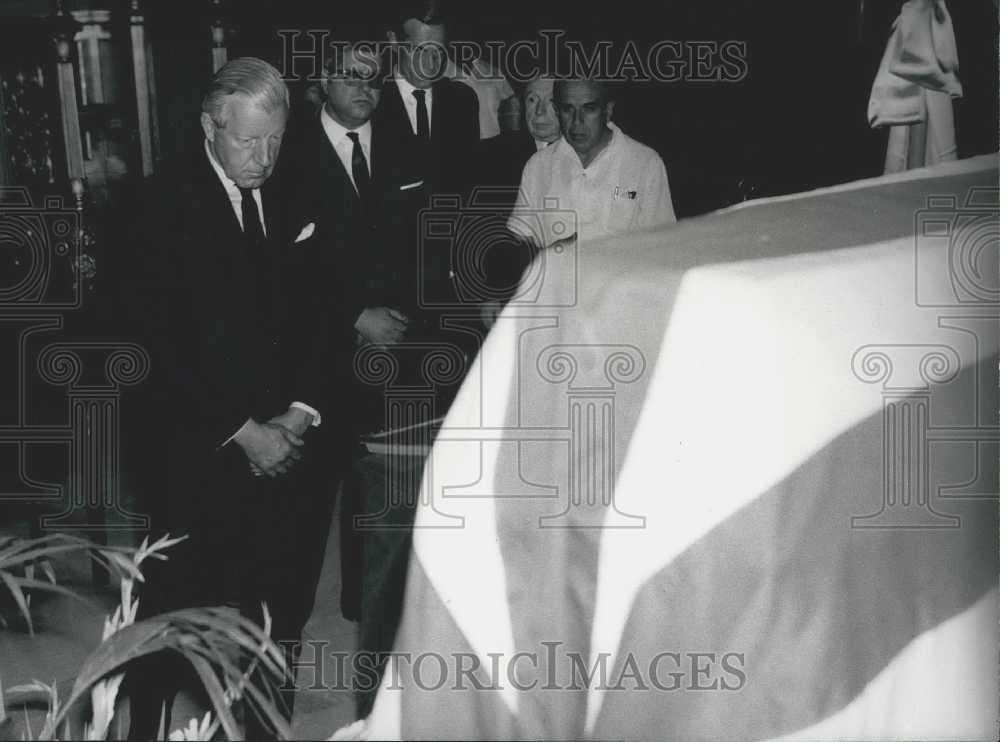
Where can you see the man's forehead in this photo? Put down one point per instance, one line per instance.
(418, 32)
(244, 115)
(581, 92)
(541, 86)
(355, 60)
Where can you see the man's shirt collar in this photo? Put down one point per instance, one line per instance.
(406, 89)
(337, 132)
(227, 182)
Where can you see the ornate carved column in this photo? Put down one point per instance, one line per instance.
(407, 405)
(145, 87)
(64, 28)
(220, 54)
(6, 174)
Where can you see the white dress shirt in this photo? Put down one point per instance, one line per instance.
(233, 191)
(344, 146)
(624, 189)
(236, 199)
(410, 103)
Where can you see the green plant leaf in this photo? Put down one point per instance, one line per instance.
(18, 595)
(124, 564)
(238, 629)
(193, 632)
(49, 587)
(123, 646)
(21, 556)
(49, 571)
(267, 705)
(217, 694)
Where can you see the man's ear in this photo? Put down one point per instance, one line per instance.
(610, 108)
(208, 126)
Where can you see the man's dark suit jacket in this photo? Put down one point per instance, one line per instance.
(449, 157)
(368, 250)
(501, 163)
(228, 341)
(502, 160)
(448, 165)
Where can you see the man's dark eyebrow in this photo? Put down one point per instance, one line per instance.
(595, 102)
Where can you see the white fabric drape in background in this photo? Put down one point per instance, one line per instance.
(914, 86)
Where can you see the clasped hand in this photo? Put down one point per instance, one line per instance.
(382, 325)
(272, 448)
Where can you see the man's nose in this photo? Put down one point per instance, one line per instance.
(265, 154)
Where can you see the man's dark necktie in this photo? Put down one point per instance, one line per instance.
(253, 231)
(253, 234)
(359, 166)
(423, 123)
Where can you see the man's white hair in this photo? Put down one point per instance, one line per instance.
(252, 78)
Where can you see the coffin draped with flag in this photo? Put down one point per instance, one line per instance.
(735, 478)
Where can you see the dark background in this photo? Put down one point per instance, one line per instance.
(798, 120)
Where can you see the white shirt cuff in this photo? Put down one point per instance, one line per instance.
(317, 419)
(236, 433)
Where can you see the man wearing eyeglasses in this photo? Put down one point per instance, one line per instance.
(364, 185)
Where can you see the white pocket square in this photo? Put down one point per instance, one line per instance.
(306, 232)
(408, 186)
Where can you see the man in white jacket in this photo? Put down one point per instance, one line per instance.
(612, 183)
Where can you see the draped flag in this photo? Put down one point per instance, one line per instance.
(734, 478)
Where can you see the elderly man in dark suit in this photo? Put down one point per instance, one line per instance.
(240, 385)
(505, 156)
